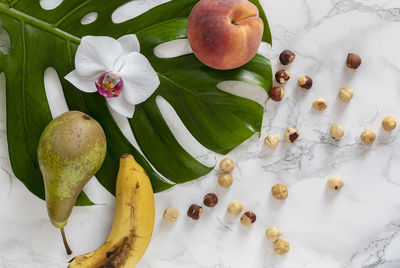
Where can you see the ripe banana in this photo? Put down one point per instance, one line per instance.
(133, 221)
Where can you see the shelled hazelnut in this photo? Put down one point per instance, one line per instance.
(271, 141)
(281, 246)
(227, 165)
(336, 132)
(346, 94)
(171, 214)
(225, 180)
(282, 76)
(305, 82)
(248, 218)
(353, 61)
(368, 137)
(210, 200)
(279, 191)
(273, 233)
(389, 123)
(335, 183)
(291, 135)
(277, 93)
(320, 104)
(195, 212)
(287, 57)
(234, 208)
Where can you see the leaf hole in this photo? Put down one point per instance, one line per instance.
(98, 193)
(54, 92)
(133, 9)
(265, 49)
(89, 18)
(50, 4)
(5, 42)
(172, 49)
(5, 170)
(2, 100)
(124, 126)
(183, 135)
(245, 90)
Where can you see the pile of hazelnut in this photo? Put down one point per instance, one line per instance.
(248, 218)
(281, 245)
(305, 82)
(211, 200)
(336, 132)
(280, 191)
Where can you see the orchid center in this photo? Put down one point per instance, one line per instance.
(109, 84)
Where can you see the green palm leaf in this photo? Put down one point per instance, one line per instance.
(49, 38)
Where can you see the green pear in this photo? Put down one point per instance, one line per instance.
(71, 150)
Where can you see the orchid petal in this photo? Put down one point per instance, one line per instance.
(96, 54)
(83, 83)
(129, 43)
(140, 79)
(121, 106)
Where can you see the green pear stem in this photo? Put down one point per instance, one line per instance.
(65, 241)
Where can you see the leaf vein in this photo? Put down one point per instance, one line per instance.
(70, 54)
(182, 87)
(160, 23)
(70, 13)
(31, 153)
(13, 3)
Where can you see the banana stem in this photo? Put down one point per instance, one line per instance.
(65, 241)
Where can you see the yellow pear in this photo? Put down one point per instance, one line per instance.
(71, 150)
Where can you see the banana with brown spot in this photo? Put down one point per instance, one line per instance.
(133, 221)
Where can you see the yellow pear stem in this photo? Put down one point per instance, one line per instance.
(65, 241)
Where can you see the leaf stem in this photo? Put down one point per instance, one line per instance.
(25, 18)
(65, 241)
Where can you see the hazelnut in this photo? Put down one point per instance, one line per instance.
(320, 104)
(273, 233)
(368, 137)
(248, 218)
(281, 246)
(335, 183)
(225, 180)
(279, 191)
(210, 200)
(305, 82)
(287, 57)
(234, 208)
(271, 141)
(346, 94)
(291, 135)
(336, 132)
(171, 214)
(282, 76)
(277, 93)
(353, 61)
(227, 165)
(195, 212)
(389, 123)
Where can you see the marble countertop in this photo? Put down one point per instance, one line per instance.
(356, 227)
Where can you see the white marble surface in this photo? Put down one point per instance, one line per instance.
(358, 227)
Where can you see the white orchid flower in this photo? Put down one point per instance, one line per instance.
(116, 70)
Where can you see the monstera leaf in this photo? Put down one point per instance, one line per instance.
(49, 38)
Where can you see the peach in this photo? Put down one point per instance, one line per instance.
(224, 34)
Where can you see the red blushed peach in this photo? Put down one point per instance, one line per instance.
(224, 34)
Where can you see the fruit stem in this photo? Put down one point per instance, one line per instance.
(65, 241)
